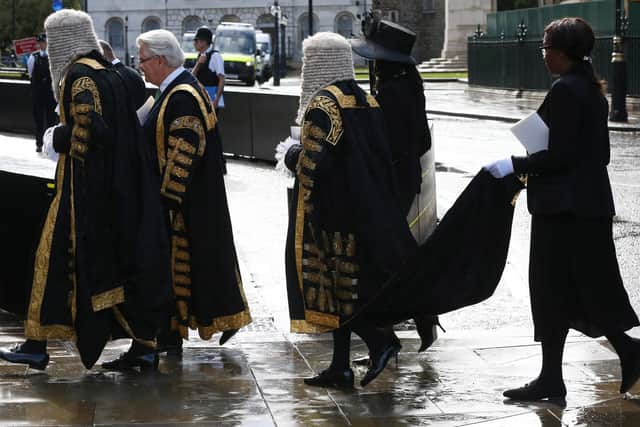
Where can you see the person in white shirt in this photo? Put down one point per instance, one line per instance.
(43, 102)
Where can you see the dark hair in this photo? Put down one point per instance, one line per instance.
(389, 70)
(575, 38)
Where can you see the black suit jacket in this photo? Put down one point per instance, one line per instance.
(134, 83)
(571, 176)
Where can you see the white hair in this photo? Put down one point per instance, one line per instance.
(162, 43)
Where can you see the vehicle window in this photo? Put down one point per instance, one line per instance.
(264, 47)
(235, 42)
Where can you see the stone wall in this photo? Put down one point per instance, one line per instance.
(427, 19)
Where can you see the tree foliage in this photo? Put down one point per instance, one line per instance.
(28, 16)
(516, 4)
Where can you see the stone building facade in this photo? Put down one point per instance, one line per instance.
(121, 21)
(425, 17)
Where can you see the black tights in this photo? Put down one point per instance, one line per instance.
(553, 348)
(374, 338)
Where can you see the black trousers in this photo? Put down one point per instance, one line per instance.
(43, 107)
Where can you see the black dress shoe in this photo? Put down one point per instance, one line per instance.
(331, 378)
(379, 362)
(171, 345)
(127, 362)
(226, 335)
(426, 327)
(630, 372)
(37, 361)
(536, 391)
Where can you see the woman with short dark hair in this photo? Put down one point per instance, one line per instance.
(574, 277)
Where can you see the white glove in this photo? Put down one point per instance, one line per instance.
(500, 168)
(281, 152)
(47, 144)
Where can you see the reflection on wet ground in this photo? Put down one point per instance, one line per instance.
(258, 380)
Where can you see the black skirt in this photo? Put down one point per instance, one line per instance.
(574, 279)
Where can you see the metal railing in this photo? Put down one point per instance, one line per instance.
(518, 64)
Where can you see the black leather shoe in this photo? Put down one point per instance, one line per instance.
(226, 335)
(379, 362)
(172, 345)
(331, 378)
(427, 330)
(536, 391)
(630, 372)
(127, 362)
(37, 361)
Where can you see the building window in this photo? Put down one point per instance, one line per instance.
(428, 6)
(190, 24)
(344, 24)
(151, 23)
(230, 18)
(115, 33)
(266, 21)
(303, 26)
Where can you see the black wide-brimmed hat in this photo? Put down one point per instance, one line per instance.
(384, 40)
(203, 33)
(42, 37)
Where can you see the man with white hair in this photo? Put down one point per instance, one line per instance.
(346, 235)
(180, 127)
(101, 267)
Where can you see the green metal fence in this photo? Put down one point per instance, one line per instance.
(500, 59)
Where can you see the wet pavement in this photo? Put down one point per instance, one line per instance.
(257, 378)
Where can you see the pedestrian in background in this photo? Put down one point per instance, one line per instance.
(42, 100)
(209, 70)
(574, 277)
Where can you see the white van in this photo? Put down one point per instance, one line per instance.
(264, 60)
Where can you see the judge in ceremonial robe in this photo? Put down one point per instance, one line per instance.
(207, 288)
(101, 264)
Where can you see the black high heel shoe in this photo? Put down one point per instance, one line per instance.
(332, 378)
(426, 327)
(379, 362)
(366, 361)
(630, 372)
(226, 335)
(536, 391)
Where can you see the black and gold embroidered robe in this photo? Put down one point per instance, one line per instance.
(346, 234)
(348, 253)
(207, 286)
(100, 266)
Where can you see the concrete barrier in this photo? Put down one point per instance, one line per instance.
(251, 125)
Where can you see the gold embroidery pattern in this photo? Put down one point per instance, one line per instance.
(191, 123)
(304, 327)
(125, 325)
(205, 108)
(108, 299)
(87, 84)
(330, 108)
(349, 101)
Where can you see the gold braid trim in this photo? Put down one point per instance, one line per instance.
(349, 101)
(322, 319)
(209, 118)
(108, 299)
(87, 84)
(304, 327)
(330, 108)
(219, 324)
(125, 325)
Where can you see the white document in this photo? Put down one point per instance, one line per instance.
(532, 132)
(143, 111)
